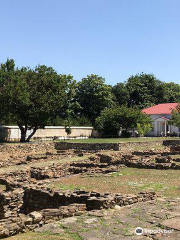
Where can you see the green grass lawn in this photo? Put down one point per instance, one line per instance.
(117, 140)
(128, 180)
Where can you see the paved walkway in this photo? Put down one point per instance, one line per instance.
(120, 223)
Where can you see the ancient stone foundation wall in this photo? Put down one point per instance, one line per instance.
(87, 146)
(121, 146)
(11, 203)
(171, 142)
(29, 208)
(39, 199)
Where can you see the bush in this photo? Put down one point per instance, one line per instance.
(114, 120)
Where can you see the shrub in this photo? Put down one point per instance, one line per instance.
(112, 120)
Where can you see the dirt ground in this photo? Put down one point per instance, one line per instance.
(127, 180)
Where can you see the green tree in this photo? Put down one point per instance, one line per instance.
(144, 124)
(93, 96)
(175, 120)
(113, 120)
(168, 93)
(32, 98)
(142, 88)
(146, 90)
(121, 93)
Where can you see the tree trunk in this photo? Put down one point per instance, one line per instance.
(30, 135)
(23, 135)
(23, 132)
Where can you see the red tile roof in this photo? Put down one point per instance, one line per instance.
(164, 108)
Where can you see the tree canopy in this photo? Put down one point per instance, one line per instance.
(112, 120)
(121, 93)
(93, 96)
(33, 97)
(142, 90)
(175, 120)
(145, 90)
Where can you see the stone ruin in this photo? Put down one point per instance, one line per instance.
(87, 146)
(27, 203)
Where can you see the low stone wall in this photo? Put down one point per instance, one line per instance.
(11, 203)
(33, 199)
(87, 146)
(162, 166)
(22, 223)
(15, 154)
(160, 161)
(86, 166)
(41, 206)
(171, 142)
(38, 199)
(121, 146)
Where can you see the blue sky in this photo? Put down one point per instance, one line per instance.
(111, 38)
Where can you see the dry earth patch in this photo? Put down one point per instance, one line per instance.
(128, 180)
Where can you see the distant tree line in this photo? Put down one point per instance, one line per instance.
(34, 98)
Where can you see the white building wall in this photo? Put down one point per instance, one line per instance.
(155, 116)
(157, 129)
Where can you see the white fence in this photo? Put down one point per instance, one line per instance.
(11, 133)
